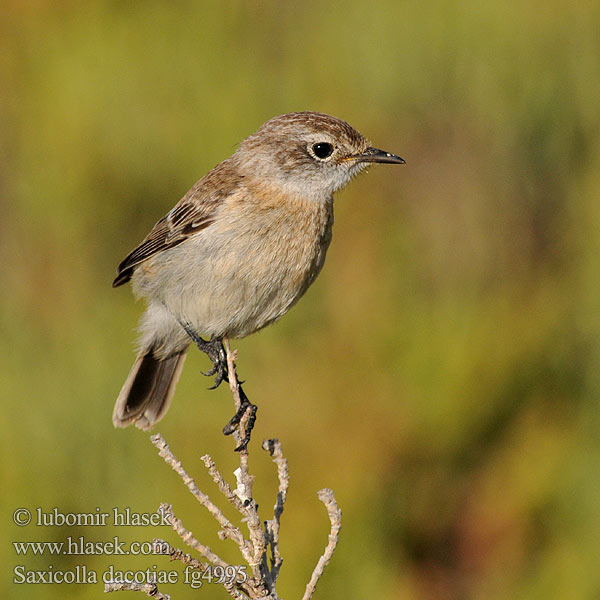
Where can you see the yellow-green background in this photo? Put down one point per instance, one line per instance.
(442, 375)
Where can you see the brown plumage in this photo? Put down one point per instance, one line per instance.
(238, 250)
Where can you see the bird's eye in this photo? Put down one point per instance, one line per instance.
(322, 149)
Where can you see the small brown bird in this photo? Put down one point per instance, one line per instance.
(237, 251)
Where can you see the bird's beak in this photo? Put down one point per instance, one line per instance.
(374, 155)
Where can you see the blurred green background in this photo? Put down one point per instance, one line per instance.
(442, 375)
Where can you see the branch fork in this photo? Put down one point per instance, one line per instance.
(259, 547)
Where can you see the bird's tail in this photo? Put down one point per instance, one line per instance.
(147, 392)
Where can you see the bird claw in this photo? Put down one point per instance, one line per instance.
(234, 422)
(218, 380)
(215, 351)
(211, 372)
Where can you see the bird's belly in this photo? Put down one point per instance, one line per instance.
(236, 287)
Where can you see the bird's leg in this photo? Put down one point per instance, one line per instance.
(215, 351)
(243, 405)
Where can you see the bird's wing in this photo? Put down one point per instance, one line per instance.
(194, 212)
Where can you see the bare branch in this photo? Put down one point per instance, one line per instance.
(228, 528)
(180, 555)
(335, 517)
(189, 539)
(273, 447)
(245, 480)
(260, 583)
(224, 487)
(235, 593)
(149, 589)
(240, 433)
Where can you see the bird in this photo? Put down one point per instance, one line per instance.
(237, 251)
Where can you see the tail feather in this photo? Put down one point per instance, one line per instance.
(147, 392)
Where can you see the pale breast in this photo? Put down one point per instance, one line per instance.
(280, 253)
(247, 268)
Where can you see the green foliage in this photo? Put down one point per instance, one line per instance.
(441, 375)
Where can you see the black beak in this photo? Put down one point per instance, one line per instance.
(375, 155)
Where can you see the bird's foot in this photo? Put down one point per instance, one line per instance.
(245, 407)
(215, 351)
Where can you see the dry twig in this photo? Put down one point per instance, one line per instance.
(335, 517)
(264, 569)
(149, 589)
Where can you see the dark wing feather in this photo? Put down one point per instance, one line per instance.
(191, 214)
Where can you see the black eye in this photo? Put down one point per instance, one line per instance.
(322, 149)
